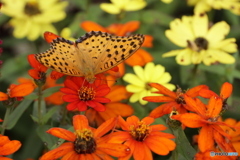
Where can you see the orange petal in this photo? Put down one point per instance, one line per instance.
(116, 150)
(161, 134)
(105, 127)
(71, 156)
(226, 90)
(118, 93)
(148, 120)
(92, 26)
(163, 90)
(62, 133)
(194, 92)
(3, 140)
(160, 145)
(10, 147)
(58, 152)
(5, 158)
(223, 142)
(133, 120)
(80, 122)
(140, 57)
(147, 41)
(49, 37)
(34, 73)
(140, 150)
(159, 99)
(158, 127)
(98, 155)
(128, 27)
(119, 137)
(55, 98)
(191, 120)
(163, 109)
(124, 125)
(115, 109)
(3, 96)
(214, 107)
(194, 105)
(206, 93)
(22, 90)
(205, 138)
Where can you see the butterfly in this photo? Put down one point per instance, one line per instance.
(91, 54)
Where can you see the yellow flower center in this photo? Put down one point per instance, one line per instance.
(198, 44)
(31, 8)
(86, 93)
(84, 143)
(140, 132)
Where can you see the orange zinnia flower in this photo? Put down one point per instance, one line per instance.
(114, 108)
(8, 147)
(206, 117)
(140, 57)
(16, 92)
(86, 142)
(143, 138)
(172, 100)
(81, 94)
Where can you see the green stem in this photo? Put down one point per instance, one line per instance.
(5, 121)
(39, 104)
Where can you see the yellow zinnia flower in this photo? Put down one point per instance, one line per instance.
(117, 6)
(200, 43)
(207, 5)
(31, 18)
(139, 82)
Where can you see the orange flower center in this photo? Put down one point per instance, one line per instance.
(140, 132)
(198, 44)
(84, 143)
(31, 8)
(86, 93)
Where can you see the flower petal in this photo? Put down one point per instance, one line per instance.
(226, 90)
(80, 122)
(22, 90)
(62, 133)
(92, 26)
(3, 96)
(160, 145)
(10, 147)
(191, 120)
(58, 152)
(116, 150)
(205, 138)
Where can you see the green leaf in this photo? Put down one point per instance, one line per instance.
(17, 113)
(184, 150)
(48, 139)
(49, 114)
(35, 119)
(50, 91)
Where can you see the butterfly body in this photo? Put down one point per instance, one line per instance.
(91, 54)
